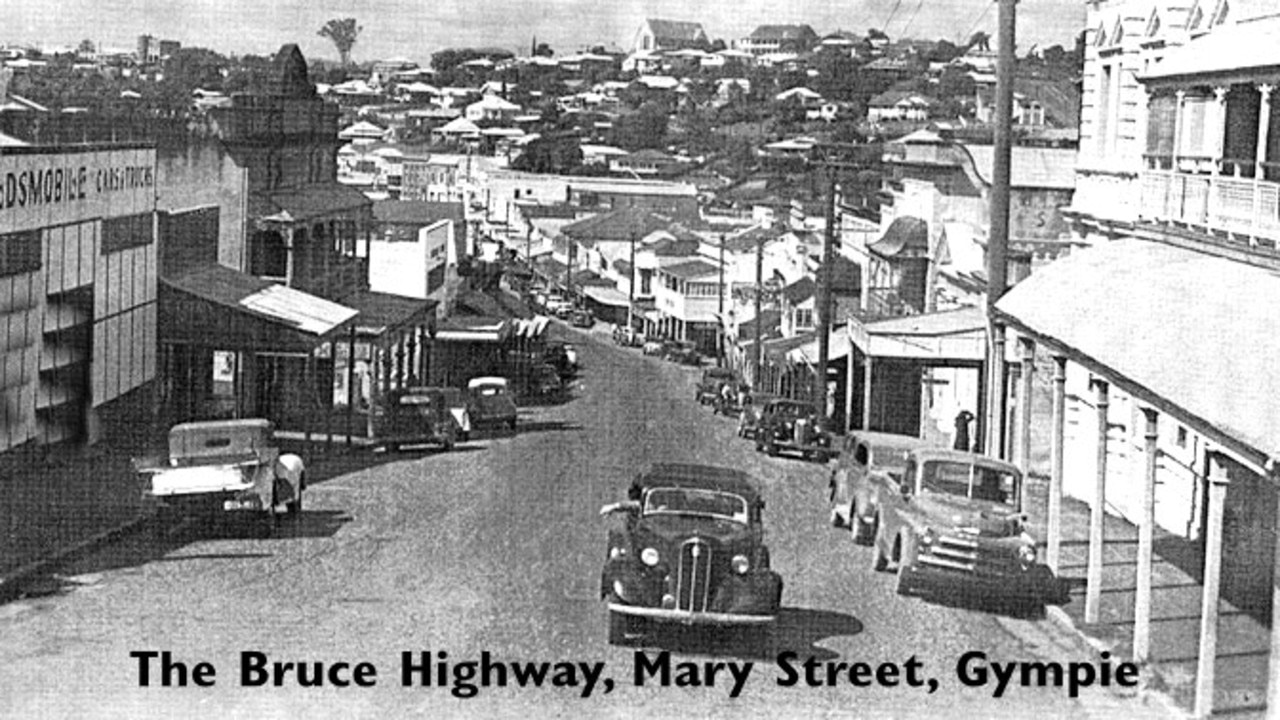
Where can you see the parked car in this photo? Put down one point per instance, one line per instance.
(491, 402)
(688, 547)
(684, 352)
(460, 408)
(628, 338)
(563, 357)
(414, 416)
(787, 425)
(749, 418)
(223, 466)
(864, 454)
(582, 319)
(544, 380)
(953, 521)
(712, 384)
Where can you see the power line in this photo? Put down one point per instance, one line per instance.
(893, 12)
(966, 36)
(913, 18)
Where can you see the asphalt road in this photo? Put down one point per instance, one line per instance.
(497, 547)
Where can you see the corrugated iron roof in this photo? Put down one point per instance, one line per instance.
(1193, 330)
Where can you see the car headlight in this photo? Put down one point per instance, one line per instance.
(928, 537)
(649, 556)
(615, 553)
(1026, 554)
(740, 564)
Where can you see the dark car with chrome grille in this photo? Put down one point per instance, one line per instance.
(952, 522)
(687, 547)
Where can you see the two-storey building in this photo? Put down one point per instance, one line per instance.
(1159, 339)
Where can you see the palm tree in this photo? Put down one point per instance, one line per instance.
(342, 32)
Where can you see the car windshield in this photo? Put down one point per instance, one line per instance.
(702, 503)
(415, 400)
(488, 390)
(972, 481)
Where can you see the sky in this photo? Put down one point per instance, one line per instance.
(416, 28)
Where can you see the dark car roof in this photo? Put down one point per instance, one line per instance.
(704, 477)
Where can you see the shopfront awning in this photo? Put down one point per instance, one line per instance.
(474, 328)
(610, 296)
(949, 336)
(215, 306)
(1191, 334)
(531, 328)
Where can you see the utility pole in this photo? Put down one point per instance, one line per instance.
(998, 241)
(631, 291)
(720, 308)
(759, 351)
(823, 300)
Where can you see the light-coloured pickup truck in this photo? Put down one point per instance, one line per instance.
(219, 466)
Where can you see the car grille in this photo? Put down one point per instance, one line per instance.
(693, 582)
(963, 553)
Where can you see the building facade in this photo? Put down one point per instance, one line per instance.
(78, 269)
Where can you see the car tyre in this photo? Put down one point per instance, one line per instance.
(294, 507)
(770, 447)
(878, 560)
(864, 531)
(905, 586)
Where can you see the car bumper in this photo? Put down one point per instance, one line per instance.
(1034, 583)
(686, 617)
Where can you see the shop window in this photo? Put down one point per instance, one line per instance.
(20, 252)
(121, 233)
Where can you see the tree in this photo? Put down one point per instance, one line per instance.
(342, 32)
(644, 128)
(86, 47)
(543, 50)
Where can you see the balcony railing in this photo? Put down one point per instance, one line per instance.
(1246, 207)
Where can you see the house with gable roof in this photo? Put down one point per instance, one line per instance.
(655, 34)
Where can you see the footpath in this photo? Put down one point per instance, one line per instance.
(1243, 638)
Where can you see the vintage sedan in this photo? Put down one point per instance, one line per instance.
(491, 402)
(218, 466)
(688, 547)
(415, 416)
(952, 522)
(749, 416)
(787, 425)
(712, 384)
(865, 459)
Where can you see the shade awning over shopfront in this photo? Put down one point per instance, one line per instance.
(474, 328)
(215, 306)
(1191, 334)
(948, 336)
(610, 296)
